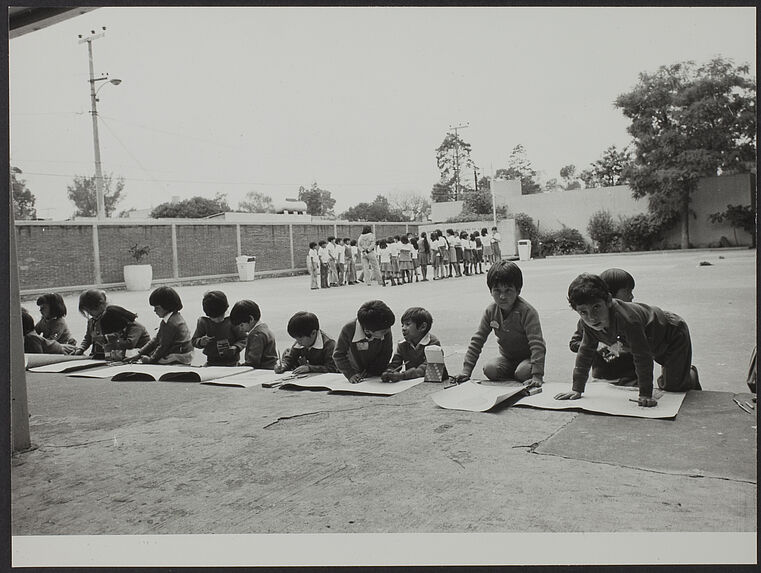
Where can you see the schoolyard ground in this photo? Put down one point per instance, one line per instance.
(163, 458)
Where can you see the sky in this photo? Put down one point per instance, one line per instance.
(357, 99)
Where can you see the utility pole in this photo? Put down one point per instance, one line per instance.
(99, 198)
(475, 177)
(457, 157)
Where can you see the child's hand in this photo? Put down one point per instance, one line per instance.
(303, 369)
(69, 348)
(279, 368)
(357, 378)
(534, 383)
(145, 359)
(132, 359)
(203, 341)
(460, 378)
(646, 402)
(389, 376)
(568, 396)
(78, 351)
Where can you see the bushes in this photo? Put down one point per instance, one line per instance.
(639, 233)
(566, 241)
(526, 227)
(603, 229)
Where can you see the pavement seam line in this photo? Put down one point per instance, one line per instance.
(329, 412)
(660, 472)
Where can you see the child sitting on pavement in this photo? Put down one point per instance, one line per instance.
(261, 350)
(365, 345)
(313, 349)
(215, 333)
(416, 330)
(649, 333)
(516, 324)
(612, 362)
(121, 333)
(36, 344)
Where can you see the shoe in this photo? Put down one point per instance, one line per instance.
(424, 280)
(625, 383)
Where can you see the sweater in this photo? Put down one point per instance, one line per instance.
(173, 337)
(355, 354)
(54, 329)
(643, 330)
(412, 356)
(319, 356)
(223, 334)
(519, 336)
(261, 351)
(36, 344)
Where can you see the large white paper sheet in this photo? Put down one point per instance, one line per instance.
(476, 395)
(35, 360)
(605, 399)
(251, 378)
(164, 373)
(337, 382)
(67, 366)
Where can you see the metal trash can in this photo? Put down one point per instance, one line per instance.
(246, 267)
(524, 250)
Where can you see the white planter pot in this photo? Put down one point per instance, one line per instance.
(138, 277)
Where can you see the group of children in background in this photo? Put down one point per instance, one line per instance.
(337, 262)
(619, 340)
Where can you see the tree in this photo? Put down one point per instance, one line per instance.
(194, 208)
(609, 169)
(378, 210)
(689, 122)
(441, 193)
(739, 217)
(319, 201)
(552, 185)
(23, 199)
(414, 206)
(452, 156)
(604, 230)
(519, 167)
(82, 193)
(256, 202)
(568, 175)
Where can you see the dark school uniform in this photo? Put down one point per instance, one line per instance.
(36, 344)
(413, 357)
(261, 351)
(173, 337)
(54, 329)
(319, 356)
(225, 345)
(355, 353)
(619, 366)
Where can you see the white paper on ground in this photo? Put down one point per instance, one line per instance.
(605, 399)
(180, 372)
(65, 365)
(35, 360)
(337, 382)
(476, 395)
(250, 378)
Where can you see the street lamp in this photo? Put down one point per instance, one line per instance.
(99, 196)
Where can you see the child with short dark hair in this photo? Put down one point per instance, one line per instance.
(410, 353)
(612, 362)
(33, 342)
(405, 259)
(92, 305)
(324, 255)
(313, 349)
(365, 345)
(313, 266)
(516, 324)
(171, 345)
(649, 333)
(384, 255)
(261, 350)
(220, 340)
(53, 325)
(121, 332)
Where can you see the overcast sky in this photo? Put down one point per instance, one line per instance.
(234, 100)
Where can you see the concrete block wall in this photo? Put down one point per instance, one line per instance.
(53, 255)
(114, 242)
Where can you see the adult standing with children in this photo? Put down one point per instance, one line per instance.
(366, 246)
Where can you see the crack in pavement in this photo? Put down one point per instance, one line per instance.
(281, 418)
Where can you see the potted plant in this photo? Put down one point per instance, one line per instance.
(138, 276)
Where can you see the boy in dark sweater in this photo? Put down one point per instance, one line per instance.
(416, 330)
(365, 345)
(313, 349)
(261, 351)
(222, 343)
(649, 333)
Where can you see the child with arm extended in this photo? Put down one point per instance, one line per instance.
(215, 333)
(261, 350)
(313, 349)
(410, 353)
(365, 345)
(612, 362)
(92, 305)
(53, 325)
(649, 333)
(120, 332)
(516, 325)
(171, 345)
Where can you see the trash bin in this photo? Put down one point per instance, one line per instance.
(524, 250)
(246, 267)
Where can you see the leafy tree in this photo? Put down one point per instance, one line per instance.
(604, 230)
(23, 199)
(414, 206)
(452, 156)
(739, 217)
(193, 208)
(441, 193)
(379, 210)
(568, 175)
(526, 227)
(256, 202)
(478, 202)
(640, 232)
(82, 193)
(484, 184)
(689, 122)
(319, 202)
(519, 167)
(552, 184)
(609, 169)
